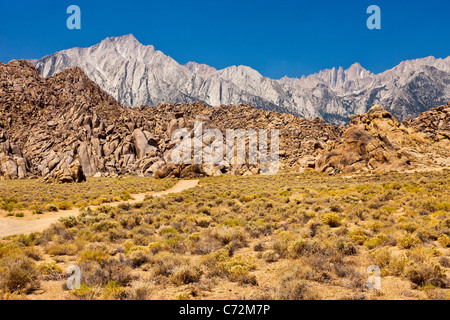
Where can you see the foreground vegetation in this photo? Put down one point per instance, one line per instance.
(17, 196)
(288, 236)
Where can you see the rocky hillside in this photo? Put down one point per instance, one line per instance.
(136, 75)
(435, 123)
(376, 141)
(48, 124)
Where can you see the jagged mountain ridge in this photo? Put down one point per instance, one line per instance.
(137, 74)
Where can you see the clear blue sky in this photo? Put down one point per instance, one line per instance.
(277, 38)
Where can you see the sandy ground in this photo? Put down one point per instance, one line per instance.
(36, 223)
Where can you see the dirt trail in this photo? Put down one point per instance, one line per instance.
(11, 226)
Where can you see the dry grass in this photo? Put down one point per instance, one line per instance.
(288, 236)
(38, 197)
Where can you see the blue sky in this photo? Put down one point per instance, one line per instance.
(277, 38)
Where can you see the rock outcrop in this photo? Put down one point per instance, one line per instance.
(435, 123)
(49, 124)
(376, 141)
(72, 173)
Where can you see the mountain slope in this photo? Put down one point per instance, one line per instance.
(137, 75)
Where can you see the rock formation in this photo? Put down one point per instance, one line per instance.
(49, 124)
(54, 127)
(377, 141)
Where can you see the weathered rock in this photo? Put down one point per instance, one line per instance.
(49, 123)
(376, 141)
(141, 143)
(71, 174)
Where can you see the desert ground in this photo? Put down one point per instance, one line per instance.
(287, 236)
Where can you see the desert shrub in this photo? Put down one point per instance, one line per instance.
(213, 258)
(125, 195)
(64, 205)
(18, 273)
(374, 226)
(281, 245)
(139, 291)
(168, 231)
(445, 224)
(297, 248)
(165, 264)
(420, 254)
(183, 296)
(52, 208)
(95, 274)
(408, 241)
(62, 249)
(398, 264)
(444, 240)
(332, 219)
(260, 246)
(138, 258)
(381, 257)
(155, 247)
(444, 206)
(98, 255)
(425, 234)
(69, 222)
(408, 226)
(113, 291)
(236, 268)
(227, 234)
(185, 274)
(270, 256)
(105, 225)
(358, 236)
(426, 274)
(375, 241)
(124, 206)
(347, 248)
(50, 269)
(292, 286)
(8, 207)
(31, 251)
(86, 292)
(445, 262)
(336, 208)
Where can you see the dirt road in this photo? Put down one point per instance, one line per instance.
(12, 226)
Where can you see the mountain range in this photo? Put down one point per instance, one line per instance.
(65, 127)
(136, 74)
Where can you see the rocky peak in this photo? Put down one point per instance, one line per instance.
(136, 75)
(201, 69)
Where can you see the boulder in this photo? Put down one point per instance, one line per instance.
(71, 174)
